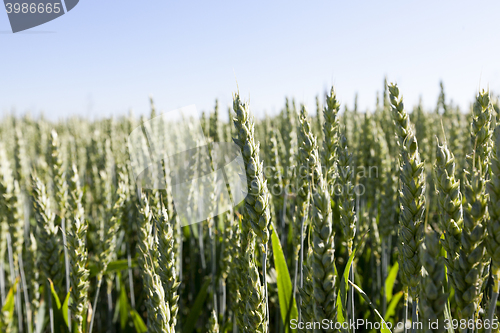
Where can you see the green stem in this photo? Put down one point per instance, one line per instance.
(66, 263)
(384, 277)
(295, 279)
(223, 301)
(350, 300)
(110, 303)
(406, 309)
(13, 278)
(192, 266)
(493, 303)
(95, 304)
(301, 262)
(264, 277)
(26, 296)
(130, 277)
(2, 283)
(51, 311)
(200, 244)
(414, 318)
(283, 217)
(214, 267)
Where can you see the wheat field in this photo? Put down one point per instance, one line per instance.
(355, 221)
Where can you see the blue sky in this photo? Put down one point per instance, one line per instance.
(106, 57)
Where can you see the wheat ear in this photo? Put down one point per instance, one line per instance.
(432, 298)
(78, 252)
(330, 133)
(158, 310)
(470, 279)
(493, 226)
(167, 267)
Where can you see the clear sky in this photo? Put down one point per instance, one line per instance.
(106, 57)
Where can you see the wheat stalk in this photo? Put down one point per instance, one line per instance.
(214, 129)
(275, 177)
(257, 200)
(307, 292)
(47, 234)
(493, 225)
(330, 134)
(257, 217)
(469, 280)
(255, 305)
(158, 311)
(450, 204)
(167, 268)
(411, 200)
(322, 259)
(112, 217)
(411, 194)
(78, 252)
(432, 298)
(346, 201)
(61, 198)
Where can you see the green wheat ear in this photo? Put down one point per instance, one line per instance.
(307, 292)
(32, 272)
(432, 298)
(307, 175)
(12, 204)
(112, 223)
(59, 176)
(330, 133)
(214, 130)
(15, 219)
(450, 203)
(229, 239)
(159, 316)
(50, 249)
(167, 267)
(388, 205)
(346, 187)
(411, 196)
(256, 222)
(6, 181)
(469, 280)
(322, 257)
(493, 226)
(257, 200)
(276, 177)
(288, 131)
(78, 252)
(236, 277)
(255, 308)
